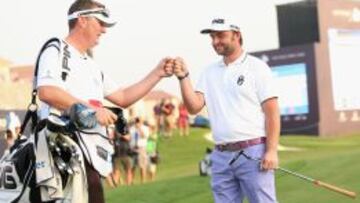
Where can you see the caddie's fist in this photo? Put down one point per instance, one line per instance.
(168, 67)
(105, 117)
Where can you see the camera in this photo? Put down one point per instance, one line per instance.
(121, 126)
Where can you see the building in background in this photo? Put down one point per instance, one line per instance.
(4, 70)
(15, 89)
(317, 66)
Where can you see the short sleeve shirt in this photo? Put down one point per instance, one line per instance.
(84, 79)
(233, 95)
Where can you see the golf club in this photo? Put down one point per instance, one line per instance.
(320, 183)
(328, 186)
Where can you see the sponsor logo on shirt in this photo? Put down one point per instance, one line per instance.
(240, 80)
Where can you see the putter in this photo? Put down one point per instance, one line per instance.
(328, 186)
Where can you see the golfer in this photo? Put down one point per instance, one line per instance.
(242, 104)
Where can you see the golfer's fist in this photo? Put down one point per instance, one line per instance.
(179, 67)
(165, 67)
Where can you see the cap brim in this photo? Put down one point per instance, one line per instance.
(108, 22)
(219, 28)
(209, 30)
(206, 31)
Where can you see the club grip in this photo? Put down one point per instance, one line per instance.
(335, 189)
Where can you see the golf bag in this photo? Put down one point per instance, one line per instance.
(17, 167)
(25, 173)
(205, 164)
(17, 171)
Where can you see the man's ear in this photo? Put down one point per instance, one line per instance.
(82, 21)
(238, 34)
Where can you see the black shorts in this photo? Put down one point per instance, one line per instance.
(95, 189)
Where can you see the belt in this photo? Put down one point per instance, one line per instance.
(235, 146)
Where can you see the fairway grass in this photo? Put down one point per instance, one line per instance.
(332, 160)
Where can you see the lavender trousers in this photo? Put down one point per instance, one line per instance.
(242, 179)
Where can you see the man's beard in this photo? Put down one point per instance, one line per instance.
(224, 50)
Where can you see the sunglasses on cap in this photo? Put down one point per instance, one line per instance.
(102, 14)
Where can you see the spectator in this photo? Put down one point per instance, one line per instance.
(139, 136)
(159, 117)
(10, 139)
(114, 179)
(123, 162)
(13, 124)
(2, 144)
(153, 153)
(6, 141)
(183, 120)
(168, 109)
(12, 129)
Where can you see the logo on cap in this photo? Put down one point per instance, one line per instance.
(218, 21)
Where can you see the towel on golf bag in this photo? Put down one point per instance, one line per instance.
(16, 171)
(48, 177)
(97, 148)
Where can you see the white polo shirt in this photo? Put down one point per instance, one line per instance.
(84, 80)
(233, 95)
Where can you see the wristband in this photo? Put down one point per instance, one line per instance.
(183, 77)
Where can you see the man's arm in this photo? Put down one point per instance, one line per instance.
(194, 101)
(62, 100)
(272, 127)
(127, 96)
(57, 97)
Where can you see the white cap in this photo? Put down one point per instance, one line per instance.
(101, 14)
(220, 24)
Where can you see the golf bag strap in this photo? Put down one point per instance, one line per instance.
(32, 108)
